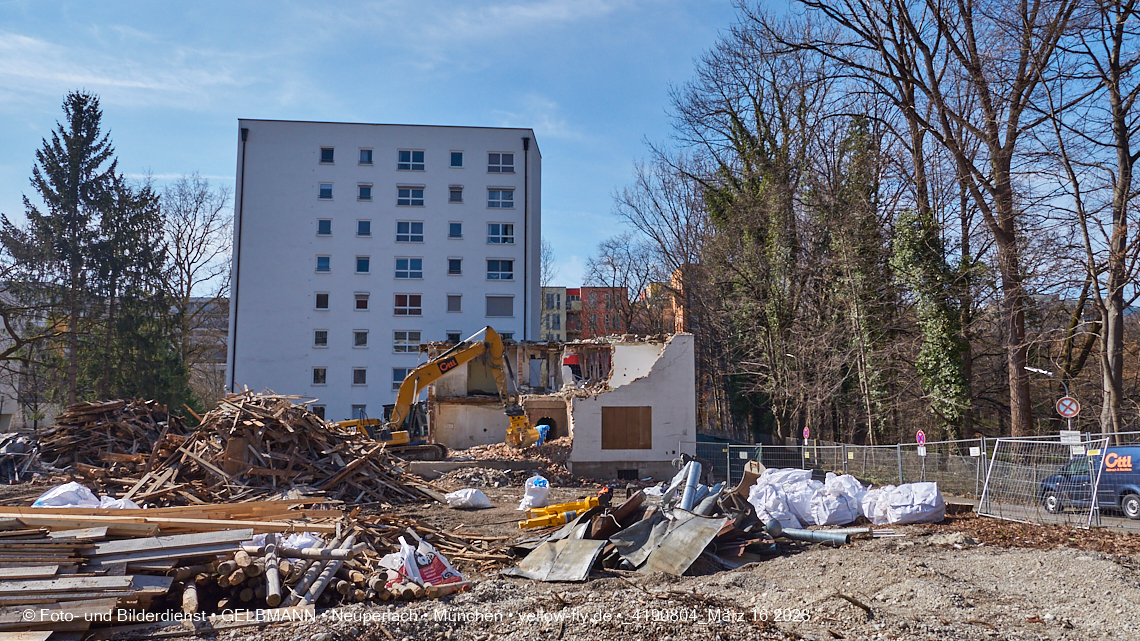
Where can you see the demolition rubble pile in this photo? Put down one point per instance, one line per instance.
(82, 564)
(119, 435)
(727, 528)
(254, 446)
(477, 477)
(549, 458)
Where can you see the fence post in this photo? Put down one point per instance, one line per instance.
(843, 453)
(898, 454)
(728, 464)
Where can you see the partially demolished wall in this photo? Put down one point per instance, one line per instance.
(647, 417)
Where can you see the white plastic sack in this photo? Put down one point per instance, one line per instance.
(420, 564)
(537, 491)
(469, 499)
(656, 490)
(839, 501)
(915, 503)
(799, 498)
(299, 540)
(107, 502)
(783, 477)
(875, 504)
(67, 495)
(771, 503)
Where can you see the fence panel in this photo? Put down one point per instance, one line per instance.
(957, 466)
(1036, 481)
(714, 457)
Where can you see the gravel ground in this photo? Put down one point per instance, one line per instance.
(937, 582)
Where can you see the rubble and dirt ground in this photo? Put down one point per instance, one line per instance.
(967, 578)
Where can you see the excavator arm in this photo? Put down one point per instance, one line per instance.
(485, 341)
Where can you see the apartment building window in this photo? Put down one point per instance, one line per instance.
(409, 268)
(409, 231)
(556, 321)
(500, 233)
(324, 263)
(454, 266)
(359, 412)
(457, 159)
(320, 338)
(324, 227)
(361, 302)
(360, 338)
(454, 302)
(364, 192)
(325, 191)
(359, 376)
(501, 198)
(398, 376)
(500, 307)
(362, 264)
(500, 269)
(326, 155)
(609, 300)
(406, 342)
(364, 228)
(366, 156)
(507, 336)
(455, 230)
(319, 410)
(500, 163)
(408, 305)
(319, 376)
(409, 196)
(411, 160)
(322, 300)
(455, 194)
(454, 337)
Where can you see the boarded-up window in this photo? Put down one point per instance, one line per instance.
(627, 428)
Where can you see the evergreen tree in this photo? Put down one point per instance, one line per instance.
(73, 175)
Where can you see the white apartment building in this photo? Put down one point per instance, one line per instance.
(355, 243)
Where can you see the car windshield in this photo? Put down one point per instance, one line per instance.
(1077, 465)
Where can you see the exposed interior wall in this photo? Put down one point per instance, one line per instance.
(631, 361)
(548, 410)
(463, 425)
(667, 386)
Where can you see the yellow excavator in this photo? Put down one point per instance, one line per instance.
(404, 419)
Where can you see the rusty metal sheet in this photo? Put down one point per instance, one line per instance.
(636, 541)
(683, 543)
(563, 560)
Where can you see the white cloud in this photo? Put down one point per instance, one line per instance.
(542, 115)
(181, 77)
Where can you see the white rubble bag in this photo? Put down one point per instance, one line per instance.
(839, 501)
(875, 503)
(771, 503)
(76, 495)
(537, 491)
(915, 503)
(799, 498)
(420, 564)
(470, 499)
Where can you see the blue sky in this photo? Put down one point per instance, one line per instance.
(591, 77)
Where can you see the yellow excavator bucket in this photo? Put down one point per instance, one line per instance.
(520, 434)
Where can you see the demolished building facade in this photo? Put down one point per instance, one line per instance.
(629, 403)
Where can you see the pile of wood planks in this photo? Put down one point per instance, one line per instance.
(97, 564)
(117, 436)
(251, 446)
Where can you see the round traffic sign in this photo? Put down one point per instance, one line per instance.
(1068, 407)
(807, 433)
(920, 437)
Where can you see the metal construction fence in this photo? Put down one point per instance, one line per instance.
(959, 467)
(1044, 481)
(1012, 478)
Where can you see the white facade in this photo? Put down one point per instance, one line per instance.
(292, 247)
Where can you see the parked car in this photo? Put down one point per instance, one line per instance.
(1119, 487)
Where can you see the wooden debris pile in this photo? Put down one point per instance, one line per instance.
(199, 560)
(123, 436)
(75, 568)
(258, 445)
